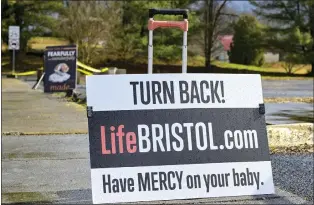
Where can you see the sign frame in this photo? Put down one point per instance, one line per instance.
(14, 39)
(68, 62)
(14, 36)
(238, 106)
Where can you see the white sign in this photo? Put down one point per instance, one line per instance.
(14, 37)
(177, 136)
(235, 91)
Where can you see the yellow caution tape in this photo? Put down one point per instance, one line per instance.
(84, 71)
(33, 72)
(4, 63)
(104, 69)
(88, 67)
(25, 73)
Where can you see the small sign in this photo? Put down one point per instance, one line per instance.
(60, 68)
(177, 136)
(14, 37)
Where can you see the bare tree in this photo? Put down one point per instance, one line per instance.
(121, 43)
(292, 63)
(215, 17)
(88, 24)
(212, 14)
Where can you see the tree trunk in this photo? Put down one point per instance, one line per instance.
(208, 33)
(208, 56)
(312, 34)
(312, 53)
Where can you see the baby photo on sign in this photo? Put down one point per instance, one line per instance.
(60, 75)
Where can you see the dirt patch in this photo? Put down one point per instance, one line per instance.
(43, 133)
(28, 155)
(291, 137)
(18, 197)
(304, 148)
(287, 100)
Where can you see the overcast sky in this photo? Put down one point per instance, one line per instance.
(241, 5)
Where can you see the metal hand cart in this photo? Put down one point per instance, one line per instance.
(152, 25)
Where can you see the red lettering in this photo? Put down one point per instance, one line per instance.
(120, 134)
(131, 140)
(113, 140)
(103, 141)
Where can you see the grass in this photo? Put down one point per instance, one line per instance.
(286, 77)
(277, 67)
(27, 62)
(28, 155)
(4, 46)
(23, 63)
(40, 43)
(271, 68)
(241, 67)
(304, 148)
(19, 197)
(194, 61)
(291, 99)
(199, 61)
(297, 69)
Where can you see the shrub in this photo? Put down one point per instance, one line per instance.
(246, 47)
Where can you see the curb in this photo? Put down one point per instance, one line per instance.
(290, 135)
(43, 133)
(281, 136)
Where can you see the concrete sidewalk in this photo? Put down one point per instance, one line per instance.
(43, 167)
(27, 111)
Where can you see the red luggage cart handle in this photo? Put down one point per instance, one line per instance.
(183, 25)
(152, 25)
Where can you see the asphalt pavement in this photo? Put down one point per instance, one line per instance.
(276, 113)
(288, 88)
(294, 172)
(56, 169)
(271, 87)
